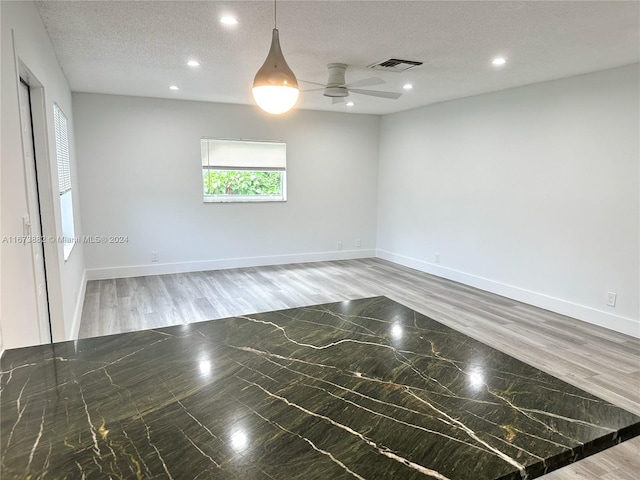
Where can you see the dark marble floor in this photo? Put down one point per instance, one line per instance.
(365, 389)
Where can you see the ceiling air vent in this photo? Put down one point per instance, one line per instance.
(394, 65)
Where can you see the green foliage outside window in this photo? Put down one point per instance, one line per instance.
(241, 182)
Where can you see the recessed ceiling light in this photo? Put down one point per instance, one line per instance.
(228, 20)
(350, 104)
(173, 87)
(193, 63)
(499, 61)
(407, 86)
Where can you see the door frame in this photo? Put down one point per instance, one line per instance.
(32, 224)
(46, 197)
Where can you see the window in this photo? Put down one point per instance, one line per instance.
(243, 171)
(64, 179)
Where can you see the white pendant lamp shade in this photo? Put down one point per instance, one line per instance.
(275, 88)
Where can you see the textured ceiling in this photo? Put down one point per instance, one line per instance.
(140, 48)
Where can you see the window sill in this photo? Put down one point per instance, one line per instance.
(242, 199)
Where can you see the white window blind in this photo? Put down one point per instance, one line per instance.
(62, 150)
(243, 155)
(60, 125)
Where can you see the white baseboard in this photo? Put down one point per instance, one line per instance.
(77, 312)
(184, 267)
(601, 318)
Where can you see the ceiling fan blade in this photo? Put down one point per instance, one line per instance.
(335, 100)
(376, 93)
(365, 82)
(312, 90)
(312, 83)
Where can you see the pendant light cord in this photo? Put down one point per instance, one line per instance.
(275, 14)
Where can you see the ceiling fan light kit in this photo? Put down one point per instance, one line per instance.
(275, 88)
(337, 89)
(336, 82)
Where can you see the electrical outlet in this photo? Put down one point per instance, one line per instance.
(358, 243)
(154, 256)
(437, 258)
(339, 246)
(611, 299)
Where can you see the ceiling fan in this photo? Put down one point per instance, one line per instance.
(337, 89)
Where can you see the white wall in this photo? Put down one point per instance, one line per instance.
(531, 193)
(140, 172)
(18, 316)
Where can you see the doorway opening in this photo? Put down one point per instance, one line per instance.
(32, 222)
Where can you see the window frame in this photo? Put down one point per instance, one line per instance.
(237, 198)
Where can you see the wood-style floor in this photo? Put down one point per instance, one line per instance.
(595, 359)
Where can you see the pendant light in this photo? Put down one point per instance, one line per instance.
(275, 88)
